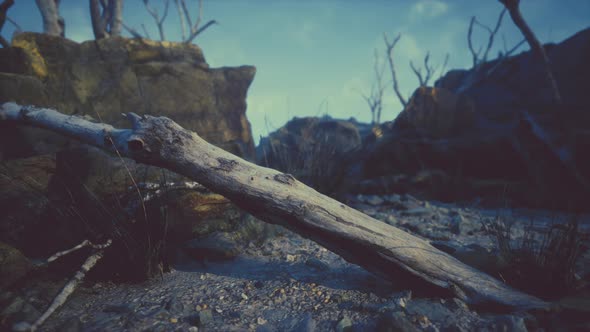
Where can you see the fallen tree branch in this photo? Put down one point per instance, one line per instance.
(280, 199)
(68, 288)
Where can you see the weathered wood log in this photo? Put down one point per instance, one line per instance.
(280, 199)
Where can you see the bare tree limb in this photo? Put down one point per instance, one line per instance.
(492, 34)
(159, 20)
(16, 25)
(279, 198)
(134, 32)
(390, 46)
(68, 288)
(375, 98)
(181, 18)
(430, 70)
(6, 4)
(198, 32)
(534, 43)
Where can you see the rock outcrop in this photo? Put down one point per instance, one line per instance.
(107, 77)
(57, 192)
(495, 124)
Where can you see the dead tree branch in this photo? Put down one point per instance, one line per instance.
(534, 43)
(279, 198)
(134, 32)
(181, 18)
(6, 4)
(53, 23)
(375, 98)
(430, 70)
(69, 287)
(390, 46)
(159, 20)
(477, 60)
(195, 30)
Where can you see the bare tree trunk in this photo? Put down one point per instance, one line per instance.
(279, 198)
(53, 24)
(534, 43)
(3, 9)
(98, 24)
(116, 23)
(106, 18)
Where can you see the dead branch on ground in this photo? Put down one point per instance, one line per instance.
(70, 286)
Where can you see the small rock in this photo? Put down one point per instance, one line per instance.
(261, 321)
(401, 299)
(344, 325)
(291, 258)
(193, 329)
(244, 296)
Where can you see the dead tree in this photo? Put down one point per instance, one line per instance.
(389, 52)
(375, 98)
(53, 23)
(159, 20)
(423, 80)
(6, 4)
(477, 56)
(430, 70)
(534, 43)
(106, 16)
(279, 198)
(195, 29)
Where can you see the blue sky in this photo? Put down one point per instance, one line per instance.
(314, 57)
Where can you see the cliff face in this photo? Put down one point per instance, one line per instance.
(107, 77)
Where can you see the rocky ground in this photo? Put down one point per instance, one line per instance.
(292, 284)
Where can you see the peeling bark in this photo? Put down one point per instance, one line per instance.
(280, 199)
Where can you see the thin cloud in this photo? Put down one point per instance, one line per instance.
(429, 8)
